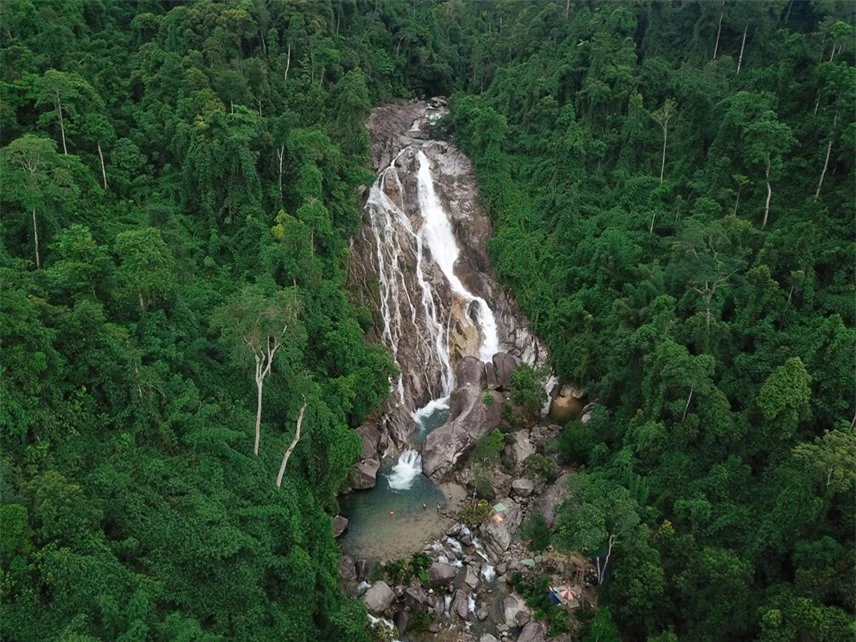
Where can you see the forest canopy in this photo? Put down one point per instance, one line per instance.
(671, 186)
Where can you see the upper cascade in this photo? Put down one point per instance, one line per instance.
(421, 259)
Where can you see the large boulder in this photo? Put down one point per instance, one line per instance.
(502, 528)
(364, 474)
(532, 632)
(551, 498)
(415, 597)
(440, 574)
(460, 604)
(521, 448)
(504, 364)
(370, 437)
(522, 487)
(379, 597)
(339, 525)
(511, 606)
(469, 420)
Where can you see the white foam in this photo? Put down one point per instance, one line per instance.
(488, 573)
(420, 415)
(405, 472)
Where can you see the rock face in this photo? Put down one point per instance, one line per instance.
(409, 309)
(504, 364)
(364, 474)
(501, 531)
(379, 597)
(470, 419)
(370, 438)
(521, 448)
(440, 574)
(552, 498)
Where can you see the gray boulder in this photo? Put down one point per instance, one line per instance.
(500, 533)
(470, 419)
(532, 632)
(522, 618)
(460, 604)
(521, 448)
(339, 525)
(440, 574)
(415, 597)
(490, 376)
(370, 437)
(504, 364)
(401, 620)
(522, 487)
(487, 637)
(379, 597)
(552, 498)
(472, 578)
(364, 474)
(511, 606)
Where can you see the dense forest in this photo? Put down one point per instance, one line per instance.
(672, 190)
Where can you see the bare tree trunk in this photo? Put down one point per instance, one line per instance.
(769, 195)
(567, 8)
(61, 123)
(260, 382)
(103, 171)
(281, 154)
(828, 150)
(36, 240)
(742, 46)
(291, 447)
(718, 32)
(737, 201)
(663, 163)
(687, 407)
(788, 14)
(287, 61)
(653, 216)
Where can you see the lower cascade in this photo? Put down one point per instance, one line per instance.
(405, 472)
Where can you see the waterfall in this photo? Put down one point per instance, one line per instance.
(444, 250)
(404, 473)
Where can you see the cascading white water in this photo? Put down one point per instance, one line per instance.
(438, 235)
(404, 473)
(396, 241)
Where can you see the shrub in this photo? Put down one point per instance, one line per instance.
(541, 467)
(577, 441)
(419, 621)
(535, 532)
(526, 390)
(487, 449)
(474, 515)
(380, 631)
(487, 398)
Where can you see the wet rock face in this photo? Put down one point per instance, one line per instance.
(440, 574)
(364, 474)
(385, 254)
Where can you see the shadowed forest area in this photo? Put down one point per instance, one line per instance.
(671, 186)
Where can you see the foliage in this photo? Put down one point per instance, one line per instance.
(540, 467)
(535, 532)
(474, 514)
(537, 596)
(488, 448)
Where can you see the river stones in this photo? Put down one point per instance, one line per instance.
(460, 604)
(379, 597)
(440, 574)
(347, 569)
(511, 606)
(501, 530)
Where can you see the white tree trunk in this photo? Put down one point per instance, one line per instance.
(742, 46)
(260, 382)
(36, 240)
(103, 171)
(769, 195)
(287, 61)
(61, 123)
(828, 152)
(291, 447)
(718, 32)
(281, 154)
(665, 137)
